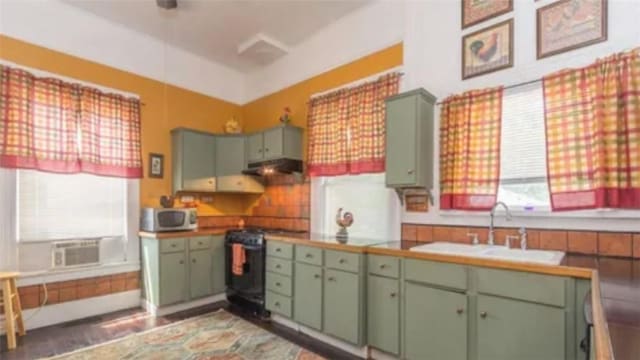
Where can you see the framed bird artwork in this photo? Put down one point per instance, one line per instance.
(487, 50)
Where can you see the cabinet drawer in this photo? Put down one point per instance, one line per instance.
(201, 242)
(440, 274)
(341, 260)
(279, 283)
(279, 266)
(278, 303)
(384, 266)
(171, 245)
(309, 255)
(280, 249)
(538, 288)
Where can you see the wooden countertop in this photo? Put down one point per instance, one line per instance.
(180, 234)
(356, 245)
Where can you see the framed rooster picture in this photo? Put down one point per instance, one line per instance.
(570, 24)
(487, 50)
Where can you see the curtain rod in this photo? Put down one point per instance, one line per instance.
(358, 82)
(512, 86)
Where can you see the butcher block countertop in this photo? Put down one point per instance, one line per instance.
(181, 234)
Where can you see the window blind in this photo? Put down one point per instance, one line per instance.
(63, 206)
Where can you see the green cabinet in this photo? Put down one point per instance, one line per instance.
(230, 155)
(182, 269)
(193, 160)
(409, 139)
(275, 143)
(308, 295)
(342, 305)
(512, 329)
(279, 279)
(435, 323)
(383, 313)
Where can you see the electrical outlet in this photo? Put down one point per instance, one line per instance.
(207, 199)
(187, 199)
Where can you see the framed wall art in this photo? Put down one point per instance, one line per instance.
(570, 24)
(476, 11)
(156, 165)
(487, 50)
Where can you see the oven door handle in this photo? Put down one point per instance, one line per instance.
(250, 248)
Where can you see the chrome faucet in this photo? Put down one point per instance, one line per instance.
(492, 215)
(523, 238)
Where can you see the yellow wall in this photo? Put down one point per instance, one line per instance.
(160, 113)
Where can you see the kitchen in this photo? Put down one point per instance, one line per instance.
(191, 107)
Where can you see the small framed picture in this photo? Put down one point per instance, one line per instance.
(156, 165)
(476, 11)
(487, 50)
(570, 24)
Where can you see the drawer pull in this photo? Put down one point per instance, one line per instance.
(317, 276)
(342, 261)
(181, 262)
(410, 171)
(278, 266)
(173, 245)
(459, 310)
(278, 249)
(383, 266)
(193, 261)
(266, 149)
(393, 294)
(199, 242)
(278, 284)
(260, 150)
(309, 256)
(277, 304)
(331, 278)
(483, 314)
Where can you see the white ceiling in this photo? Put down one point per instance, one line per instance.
(213, 29)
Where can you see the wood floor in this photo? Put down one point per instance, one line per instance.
(62, 338)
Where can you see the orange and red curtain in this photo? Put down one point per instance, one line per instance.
(470, 126)
(592, 120)
(347, 129)
(50, 125)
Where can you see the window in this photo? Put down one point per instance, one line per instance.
(523, 171)
(60, 206)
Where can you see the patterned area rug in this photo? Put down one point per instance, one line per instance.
(215, 336)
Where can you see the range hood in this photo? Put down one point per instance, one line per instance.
(275, 166)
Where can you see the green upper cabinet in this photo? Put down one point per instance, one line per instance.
(230, 155)
(275, 143)
(409, 139)
(194, 167)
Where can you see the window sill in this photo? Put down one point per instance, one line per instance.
(586, 214)
(49, 276)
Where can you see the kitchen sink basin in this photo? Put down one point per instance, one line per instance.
(493, 252)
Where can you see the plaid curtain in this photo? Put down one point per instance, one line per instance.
(470, 149)
(592, 120)
(38, 127)
(347, 129)
(110, 128)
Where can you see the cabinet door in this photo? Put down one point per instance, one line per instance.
(435, 325)
(273, 140)
(230, 155)
(200, 271)
(173, 276)
(218, 264)
(307, 295)
(342, 305)
(197, 162)
(383, 319)
(401, 118)
(255, 147)
(513, 329)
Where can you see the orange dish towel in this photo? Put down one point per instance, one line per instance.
(239, 258)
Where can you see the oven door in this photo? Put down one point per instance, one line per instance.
(251, 282)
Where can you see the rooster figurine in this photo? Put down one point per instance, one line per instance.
(344, 221)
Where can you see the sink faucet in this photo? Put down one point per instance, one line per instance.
(492, 215)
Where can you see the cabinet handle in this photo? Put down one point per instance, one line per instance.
(278, 284)
(317, 276)
(459, 310)
(173, 245)
(308, 255)
(382, 266)
(277, 249)
(278, 266)
(331, 278)
(342, 261)
(260, 150)
(181, 262)
(193, 261)
(277, 304)
(266, 149)
(483, 314)
(210, 182)
(410, 171)
(199, 242)
(393, 294)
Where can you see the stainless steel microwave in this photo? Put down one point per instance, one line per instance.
(159, 219)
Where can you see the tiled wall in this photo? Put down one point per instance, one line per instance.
(621, 244)
(58, 292)
(284, 204)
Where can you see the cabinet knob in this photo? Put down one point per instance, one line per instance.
(309, 255)
(278, 284)
(173, 245)
(210, 182)
(410, 171)
(342, 261)
(317, 276)
(181, 262)
(277, 249)
(259, 150)
(331, 278)
(278, 266)
(382, 266)
(193, 261)
(483, 314)
(459, 310)
(393, 294)
(266, 149)
(199, 242)
(277, 304)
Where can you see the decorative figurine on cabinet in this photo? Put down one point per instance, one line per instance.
(344, 221)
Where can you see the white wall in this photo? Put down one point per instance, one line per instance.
(65, 28)
(365, 31)
(433, 60)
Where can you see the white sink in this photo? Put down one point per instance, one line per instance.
(493, 252)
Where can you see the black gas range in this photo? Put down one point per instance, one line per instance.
(248, 290)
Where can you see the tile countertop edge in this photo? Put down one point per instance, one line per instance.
(181, 234)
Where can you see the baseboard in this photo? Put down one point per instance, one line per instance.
(362, 352)
(78, 309)
(164, 310)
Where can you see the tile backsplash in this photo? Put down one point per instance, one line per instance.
(620, 244)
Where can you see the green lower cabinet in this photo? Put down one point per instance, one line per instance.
(383, 313)
(308, 294)
(173, 275)
(218, 285)
(435, 323)
(200, 264)
(342, 305)
(511, 329)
